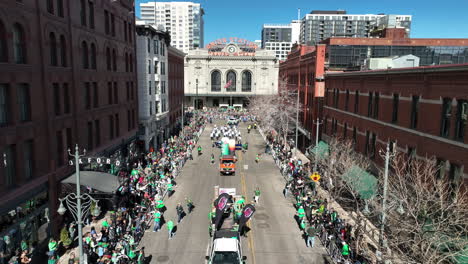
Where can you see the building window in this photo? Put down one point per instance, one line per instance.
(414, 111)
(5, 112)
(90, 135)
(246, 81)
(155, 67)
(111, 127)
(148, 45)
(66, 99)
(83, 12)
(149, 87)
(106, 21)
(156, 107)
(163, 87)
(151, 108)
(19, 44)
(10, 160)
(230, 81)
(163, 68)
(366, 146)
(131, 62)
(455, 172)
(149, 66)
(156, 46)
(130, 32)
(336, 97)
(128, 120)
(91, 14)
(116, 93)
(355, 136)
(126, 62)
(125, 30)
(56, 88)
(347, 100)
(95, 95)
(372, 145)
(375, 112)
(50, 6)
(117, 125)
(63, 51)
(93, 56)
(356, 102)
(60, 8)
(446, 116)
(127, 85)
(396, 101)
(87, 95)
(345, 130)
(28, 151)
(84, 55)
(460, 125)
(216, 81)
(53, 49)
(24, 102)
(114, 60)
(112, 24)
(60, 148)
(132, 92)
(369, 104)
(97, 128)
(109, 92)
(3, 43)
(108, 59)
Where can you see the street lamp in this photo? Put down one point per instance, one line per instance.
(78, 204)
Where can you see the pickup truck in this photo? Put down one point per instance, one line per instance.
(227, 165)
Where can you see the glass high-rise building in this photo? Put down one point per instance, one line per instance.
(183, 20)
(320, 25)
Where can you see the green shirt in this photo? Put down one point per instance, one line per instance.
(52, 246)
(345, 250)
(170, 225)
(257, 192)
(51, 261)
(301, 212)
(157, 216)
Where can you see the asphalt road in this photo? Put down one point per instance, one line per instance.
(274, 236)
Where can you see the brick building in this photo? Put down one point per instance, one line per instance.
(176, 87)
(422, 111)
(68, 77)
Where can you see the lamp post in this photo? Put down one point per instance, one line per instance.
(78, 204)
(317, 123)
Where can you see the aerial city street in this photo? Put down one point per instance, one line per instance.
(252, 132)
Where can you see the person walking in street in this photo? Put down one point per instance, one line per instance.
(311, 233)
(180, 212)
(157, 221)
(256, 194)
(189, 204)
(212, 158)
(257, 158)
(170, 228)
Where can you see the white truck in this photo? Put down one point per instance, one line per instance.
(225, 245)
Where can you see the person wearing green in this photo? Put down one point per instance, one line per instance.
(105, 224)
(52, 260)
(159, 204)
(24, 245)
(303, 224)
(131, 254)
(157, 221)
(134, 172)
(170, 228)
(256, 195)
(345, 250)
(301, 212)
(333, 215)
(52, 247)
(141, 256)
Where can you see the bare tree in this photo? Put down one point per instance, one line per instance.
(277, 112)
(431, 223)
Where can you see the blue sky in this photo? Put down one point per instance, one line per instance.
(244, 18)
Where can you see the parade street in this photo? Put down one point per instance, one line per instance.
(274, 236)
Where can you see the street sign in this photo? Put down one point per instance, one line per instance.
(315, 177)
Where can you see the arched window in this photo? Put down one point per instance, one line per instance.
(215, 81)
(3, 44)
(114, 60)
(83, 12)
(246, 81)
(126, 62)
(93, 56)
(63, 51)
(108, 59)
(230, 81)
(53, 49)
(19, 44)
(84, 55)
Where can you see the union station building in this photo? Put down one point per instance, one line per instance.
(227, 72)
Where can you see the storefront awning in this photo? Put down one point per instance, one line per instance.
(365, 184)
(100, 181)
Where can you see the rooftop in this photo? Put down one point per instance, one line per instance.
(422, 69)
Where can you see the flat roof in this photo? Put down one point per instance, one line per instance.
(397, 42)
(422, 69)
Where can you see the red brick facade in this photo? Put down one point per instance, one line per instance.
(176, 85)
(392, 119)
(80, 71)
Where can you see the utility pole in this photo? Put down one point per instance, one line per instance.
(317, 124)
(384, 200)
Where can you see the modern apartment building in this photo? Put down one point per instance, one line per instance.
(280, 37)
(67, 77)
(152, 66)
(183, 20)
(320, 25)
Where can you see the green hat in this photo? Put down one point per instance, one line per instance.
(134, 172)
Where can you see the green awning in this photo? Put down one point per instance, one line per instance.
(365, 184)
(321, 150)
